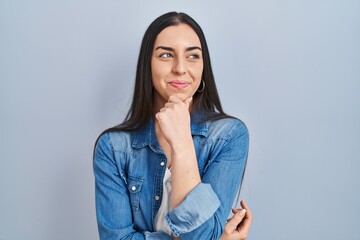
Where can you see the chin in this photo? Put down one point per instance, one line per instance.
(182, 96)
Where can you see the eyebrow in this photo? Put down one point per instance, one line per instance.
(172, 50)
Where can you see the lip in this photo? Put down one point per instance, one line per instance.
(179, 84)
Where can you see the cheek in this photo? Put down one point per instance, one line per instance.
(198, 70)
(158, 70)
(155, 74)
(153, 69)
(197, 76)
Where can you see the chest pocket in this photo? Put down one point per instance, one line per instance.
(134, 188)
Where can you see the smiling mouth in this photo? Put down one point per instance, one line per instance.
(179, 84)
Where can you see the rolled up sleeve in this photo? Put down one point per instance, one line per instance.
(203, 213)
(192, 213)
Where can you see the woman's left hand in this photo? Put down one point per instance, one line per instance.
(174, 120)
(238, 227)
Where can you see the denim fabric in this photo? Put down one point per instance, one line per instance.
(129, 168)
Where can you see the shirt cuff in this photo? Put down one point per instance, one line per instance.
(198, 207)
(156, 236)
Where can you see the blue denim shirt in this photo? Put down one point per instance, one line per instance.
(129, 168)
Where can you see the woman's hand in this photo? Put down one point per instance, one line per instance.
(238, 227)
(174, 124)
(174, 120)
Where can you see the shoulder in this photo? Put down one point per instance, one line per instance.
(114, 140)
(227, 128)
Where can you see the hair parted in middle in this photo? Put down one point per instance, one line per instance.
(142, 106)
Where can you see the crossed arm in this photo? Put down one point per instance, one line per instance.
(174, 121)
(118, 206)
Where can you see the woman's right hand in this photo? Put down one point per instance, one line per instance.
(238, 227)
(174, 121)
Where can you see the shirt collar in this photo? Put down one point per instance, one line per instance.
(146, 135)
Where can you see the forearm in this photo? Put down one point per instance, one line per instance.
(195, 218)
(184, 171)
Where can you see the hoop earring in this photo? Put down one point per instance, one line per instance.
(203, 87)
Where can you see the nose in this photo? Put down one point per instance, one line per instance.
(179, 66)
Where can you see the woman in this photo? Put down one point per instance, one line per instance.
(173, 168)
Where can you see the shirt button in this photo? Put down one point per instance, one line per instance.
(162, 164)
(133, 188)
(157, 198)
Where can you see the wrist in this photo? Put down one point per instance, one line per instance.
(182, 145)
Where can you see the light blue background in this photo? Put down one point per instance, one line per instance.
(289, 69)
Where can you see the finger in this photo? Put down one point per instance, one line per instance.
(245, 225)
(234, 210)
(232, 224)
(188, 101)
(231, 236)
(248, 212)
(174, 99)
(161, 114)
(243, 204)
(169, 104)
(162, 109)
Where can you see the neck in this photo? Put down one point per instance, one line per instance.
(159, 102)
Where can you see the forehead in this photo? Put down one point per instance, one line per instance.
(179, 35)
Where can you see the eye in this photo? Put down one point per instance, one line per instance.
(166, 55)
(194, 56)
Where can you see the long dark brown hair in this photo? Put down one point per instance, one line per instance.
(206, 102)
(142, 106)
